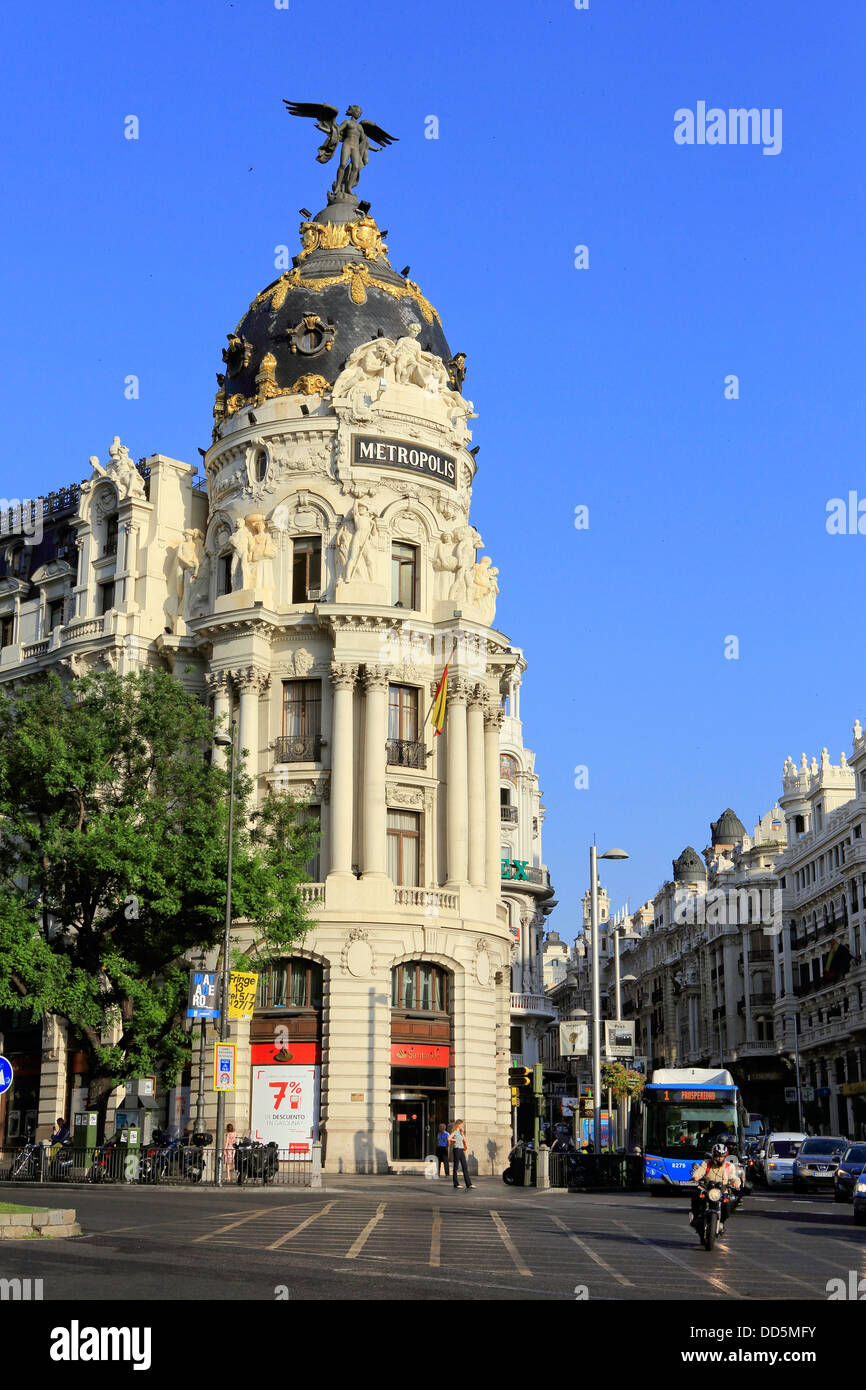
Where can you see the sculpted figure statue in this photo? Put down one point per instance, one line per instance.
(468, 542)
(121, 471)
(240, 544)
(444, 564)
(353, 135)
(415, 367)
(485, 588)
(356, 541)
(258, 573)
(187, 561)
(364, 365)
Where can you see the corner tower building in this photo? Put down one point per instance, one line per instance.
(314, 595)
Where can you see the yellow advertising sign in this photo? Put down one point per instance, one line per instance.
(242, 995)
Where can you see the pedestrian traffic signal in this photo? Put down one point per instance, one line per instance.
(515, 1097)
(520, 1076)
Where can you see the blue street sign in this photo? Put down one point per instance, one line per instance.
(5, 1074)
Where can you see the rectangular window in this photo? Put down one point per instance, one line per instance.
(403, 713)
(404, 575)
(110, 536)
(106, 598)
(7, 629)
(306, 568)
(224, 575)
(55, 614)
(302, 708)
(404, 841)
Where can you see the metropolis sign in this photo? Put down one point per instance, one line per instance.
(394, 453)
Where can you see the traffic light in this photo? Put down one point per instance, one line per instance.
(515, 1097)
(520, 1076)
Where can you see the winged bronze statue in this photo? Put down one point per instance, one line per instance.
(353, 135)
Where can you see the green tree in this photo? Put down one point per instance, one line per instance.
(113, 850)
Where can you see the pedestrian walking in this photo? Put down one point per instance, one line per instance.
(457, 1140)
(229, 1147)
(442, 1141)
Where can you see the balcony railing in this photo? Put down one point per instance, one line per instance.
(312, 892)
(35, 649)
(508, 815)
(532, 1004)
(404, 752)
(298, 748)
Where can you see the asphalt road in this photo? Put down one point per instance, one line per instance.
(392, 1238)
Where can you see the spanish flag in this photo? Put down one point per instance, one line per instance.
(838, 961)
(437, 717)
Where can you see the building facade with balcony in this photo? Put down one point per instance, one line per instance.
(821, 964)
(313, 590)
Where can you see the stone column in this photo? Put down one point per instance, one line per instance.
(52, 1077)
(457, 802)
(251, 683)
(747, 990)
(477, 790)
(492, 855)
(218, 687)
(375, 681)
(130, 561)
(342, 769)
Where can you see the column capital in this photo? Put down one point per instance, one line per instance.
(251, 678)
(375, 677)
(493, 717)
(217, 682)
(459, 691)
(343, 676)
(476, 696)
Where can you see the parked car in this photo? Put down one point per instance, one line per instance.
(816, 1163)
(860, 1200)
(850, 1166)
(779, 1154)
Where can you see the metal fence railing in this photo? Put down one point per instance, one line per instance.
(186, 1165)
(585, 1172)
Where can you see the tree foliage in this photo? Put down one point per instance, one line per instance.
(113, 858)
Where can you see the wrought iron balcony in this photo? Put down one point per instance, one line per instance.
(407, 753)
(298, 748)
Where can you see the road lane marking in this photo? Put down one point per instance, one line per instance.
(323, 1211)
(365, 1234)
(509, 1245)
(591, 1253)
(717, 1283)
(765, 1269)
(261, 1211)
(818, 1259)
(436, 1237)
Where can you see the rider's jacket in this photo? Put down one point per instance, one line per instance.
(723, 1172)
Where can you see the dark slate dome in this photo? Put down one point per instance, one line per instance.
(689, 866)
(728, 829)
(341, 292)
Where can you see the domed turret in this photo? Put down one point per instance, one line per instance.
(728, 829)
(689, 868)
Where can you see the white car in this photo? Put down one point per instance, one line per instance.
(780, 1150)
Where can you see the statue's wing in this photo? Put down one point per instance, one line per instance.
(326, 121)
(377, 134)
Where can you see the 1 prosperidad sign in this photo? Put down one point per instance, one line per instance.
(394, 453)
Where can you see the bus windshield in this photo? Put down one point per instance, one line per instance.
(682, 1131)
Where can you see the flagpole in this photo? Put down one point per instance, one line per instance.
(433, 701)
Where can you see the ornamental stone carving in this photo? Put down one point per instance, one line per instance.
(357, 957)
(121, 471)
(356, 542)
(297, 664)
(397, 795)
(343, 677)
(217, 683)
(375, 677)
(251, 678)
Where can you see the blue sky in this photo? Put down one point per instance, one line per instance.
(601, 387)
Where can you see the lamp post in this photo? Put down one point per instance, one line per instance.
(226, 741)
(594, 857)
(797, 1066)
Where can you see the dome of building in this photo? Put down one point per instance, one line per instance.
(341, 292)
(728, 829)
(689, 866)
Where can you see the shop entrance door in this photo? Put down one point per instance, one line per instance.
(408, 1124)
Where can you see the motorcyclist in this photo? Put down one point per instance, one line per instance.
(718, 1169)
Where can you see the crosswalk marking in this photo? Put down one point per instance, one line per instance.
(591, 1253)
(509, 1245)
(261, 1211)
(359, 1244)
(436, 1237)
(323, 1211)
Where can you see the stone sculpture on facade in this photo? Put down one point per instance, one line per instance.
(121, 471)
(356, 542)
(353, 135)
(188, 556)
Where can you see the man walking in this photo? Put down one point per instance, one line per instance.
(457, 1141)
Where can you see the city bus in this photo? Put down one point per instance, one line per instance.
(684, 1112)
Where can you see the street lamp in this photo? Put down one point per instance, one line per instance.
(226, 741)
(594, 857)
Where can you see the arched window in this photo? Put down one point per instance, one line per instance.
(294, 983)
(420, 987)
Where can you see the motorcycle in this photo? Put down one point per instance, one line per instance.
(100, 1169)
(60, 1163)
(256, 1160)
(713, 1211)
(192, 1156)
(517, 1161)
(28, 1163)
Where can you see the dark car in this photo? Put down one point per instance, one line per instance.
(851, 1164)
(816, 1163)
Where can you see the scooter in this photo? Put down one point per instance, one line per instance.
(100, 1169)
(256, 1160)
(60, 1167)
(517, 1160)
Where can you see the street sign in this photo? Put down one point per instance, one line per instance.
(5, 1074)
(242, 994)
(790, 1095)
(203, 994)
(224, 1067)
(619, 1038)
(573, 1039)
